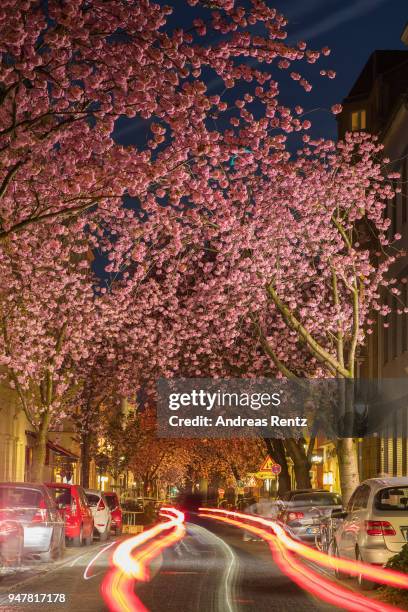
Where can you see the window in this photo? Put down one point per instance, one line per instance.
(62, 495)
(351, 501)
(317, 499)
(360, 497)
(358, 120)
(392, 499)
(19, 497)
(93, 500)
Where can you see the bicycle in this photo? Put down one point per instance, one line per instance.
(325, 536)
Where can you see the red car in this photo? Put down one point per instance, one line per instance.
(71, 500)
(115, 510)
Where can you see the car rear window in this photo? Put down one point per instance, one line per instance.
(19, 497)
(317, 499)
(61, 495)
(92, 499)
(392, 499)
(112, 500)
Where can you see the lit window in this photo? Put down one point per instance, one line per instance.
(358, 120)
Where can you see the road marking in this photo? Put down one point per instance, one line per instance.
(229, 571)
(43, 570)
(92, 561)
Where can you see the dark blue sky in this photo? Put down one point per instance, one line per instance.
(351, 28)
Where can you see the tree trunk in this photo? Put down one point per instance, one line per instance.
(85, 459)
(40, 450)
(301, 463)
(276, 450)
(348, 467)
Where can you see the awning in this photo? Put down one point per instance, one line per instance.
(60, 450)
(56, 448)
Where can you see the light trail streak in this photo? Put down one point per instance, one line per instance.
(347, 566)
(118, 586)
(92, 561)
(283, 547)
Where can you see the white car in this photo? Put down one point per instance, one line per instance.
(100, 512)
(375, 524)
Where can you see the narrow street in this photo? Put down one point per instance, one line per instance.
(211, 569)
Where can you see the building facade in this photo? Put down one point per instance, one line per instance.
(378, 103)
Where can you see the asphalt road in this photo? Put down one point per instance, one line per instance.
(211, 570)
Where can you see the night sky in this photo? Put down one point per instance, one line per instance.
(351, 28)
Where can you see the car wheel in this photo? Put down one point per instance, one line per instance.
(48, 556)
(61, 548)
(88, 540)
(334, 552)
(366, 585)
(104, 535)
(79, 539)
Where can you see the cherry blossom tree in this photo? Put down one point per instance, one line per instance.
(49, 321)
(69, 70)
(286, 262)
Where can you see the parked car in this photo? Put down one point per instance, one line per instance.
(302, 510)
(116, 512)
(375, 523)
(33, 506)
(11, 542)
(72, 502)
(101, 513)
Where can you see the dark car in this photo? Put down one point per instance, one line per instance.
(116, 511)
(32, 506)
(11, 542)
(302, 510)
(72, 501)
(132, 505)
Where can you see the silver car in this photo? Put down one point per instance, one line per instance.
(375, 523)
(33, 507)
(303, 510)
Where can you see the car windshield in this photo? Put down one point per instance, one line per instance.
(316, 499)
(19, 497)
(62, 495)
(112, 501)
(92, 499)
(392, 499)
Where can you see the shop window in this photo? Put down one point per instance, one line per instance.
(358, 120)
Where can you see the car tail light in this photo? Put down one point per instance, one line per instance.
(378, 528)
(293, 516)
(41, 513)
(101, 505)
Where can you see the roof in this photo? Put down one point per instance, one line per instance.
(380, 62)
(24, 485)
(388, 481)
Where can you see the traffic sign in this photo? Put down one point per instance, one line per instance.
(276, 469)
(267, 464)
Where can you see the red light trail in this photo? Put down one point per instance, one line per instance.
(118, 586)
(283, 548)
